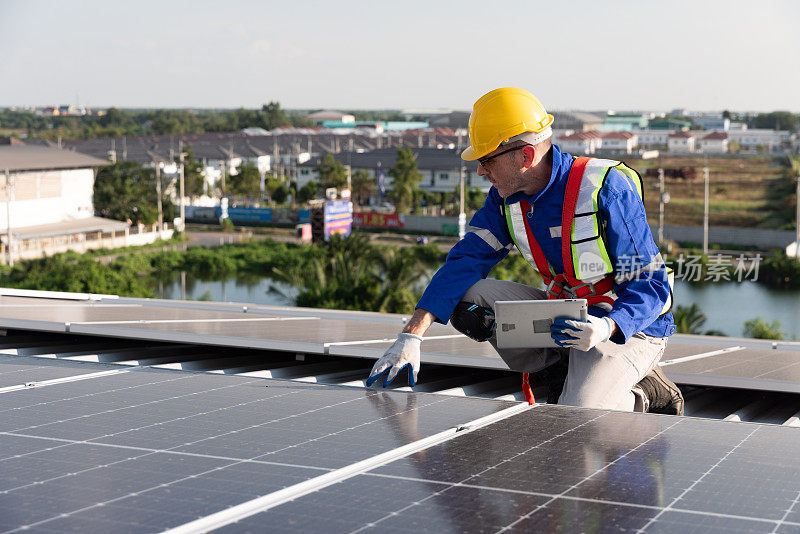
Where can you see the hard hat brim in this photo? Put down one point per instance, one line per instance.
(469, 154)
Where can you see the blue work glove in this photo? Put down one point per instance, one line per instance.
(403, 353)
(581, 335)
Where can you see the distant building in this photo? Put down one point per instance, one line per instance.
(581, 142)
(578, 121)
(682, 142)
(621, 142)
(653, 138)
(714, 143)
(762, 139)
(624, 123)
(669, 124)
(440, 168)
(47, 199)
(321, 116)
(712, 123)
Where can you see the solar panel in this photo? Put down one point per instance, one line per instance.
(771, 370)
(147, 449)
(565, 469)
(299, 334)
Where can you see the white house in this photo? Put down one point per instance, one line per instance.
(46, 205)
(652, 138)
(753, 139)
(581, 142)
(715, 142)
(622, 142)
(681, 142)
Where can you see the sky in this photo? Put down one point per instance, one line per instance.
(346, 54)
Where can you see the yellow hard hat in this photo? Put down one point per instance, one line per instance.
(500, 115)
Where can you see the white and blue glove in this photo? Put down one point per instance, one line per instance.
(581, 335)
(404, 353)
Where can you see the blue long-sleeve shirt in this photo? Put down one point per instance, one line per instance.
(640, 276)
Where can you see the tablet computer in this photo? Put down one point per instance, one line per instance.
(526, 323)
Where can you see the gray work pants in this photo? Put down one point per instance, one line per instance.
(603, 377)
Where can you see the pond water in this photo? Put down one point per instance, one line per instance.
(727, 305)
(256, 291)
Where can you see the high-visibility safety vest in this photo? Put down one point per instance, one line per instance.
(588, 271)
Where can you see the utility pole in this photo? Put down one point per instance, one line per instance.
(705, 210)
(797, 219)
(181, 175)
(462, 217)
(660, 206)
(9, 192)
(158, 195)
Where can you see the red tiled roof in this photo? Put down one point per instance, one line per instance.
(582, 136)
(679, 135)
(716, 136)
(617, 135)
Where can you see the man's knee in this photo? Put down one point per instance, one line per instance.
(488, 291)
(474, 321)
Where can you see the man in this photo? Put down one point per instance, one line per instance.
(581, 224)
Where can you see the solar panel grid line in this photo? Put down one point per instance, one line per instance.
(538, 445)
(450, 485)
(85, 395)
(266, 502)
(67, 442)
(789, 510)
(700, 356)
(64, 380)
(696, 482)
(575, 485)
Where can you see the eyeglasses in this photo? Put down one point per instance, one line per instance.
(486, 159)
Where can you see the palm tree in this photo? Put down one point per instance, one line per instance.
(689, 319)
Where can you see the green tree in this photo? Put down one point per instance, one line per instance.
(247, 181)
(405, 179)
(126, 190)
(272, 116)
(194, 184)
(363, 184)
(734, 147)
(332, 173)
(760, 329)
(777, 120)
(307, 192)
(280, 194)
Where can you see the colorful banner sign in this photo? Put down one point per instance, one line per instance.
(377, 220)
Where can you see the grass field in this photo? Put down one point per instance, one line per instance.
(754, 191)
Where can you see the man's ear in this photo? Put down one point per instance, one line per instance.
(528, 155)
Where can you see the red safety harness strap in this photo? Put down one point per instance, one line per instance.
(568, 216)
(536, 251)
(526, 389)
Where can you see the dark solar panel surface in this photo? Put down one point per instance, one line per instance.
(771, 370)
(556, 468)
(144, 450)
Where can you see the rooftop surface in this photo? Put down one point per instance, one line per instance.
(142, 415)
(17, 158)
